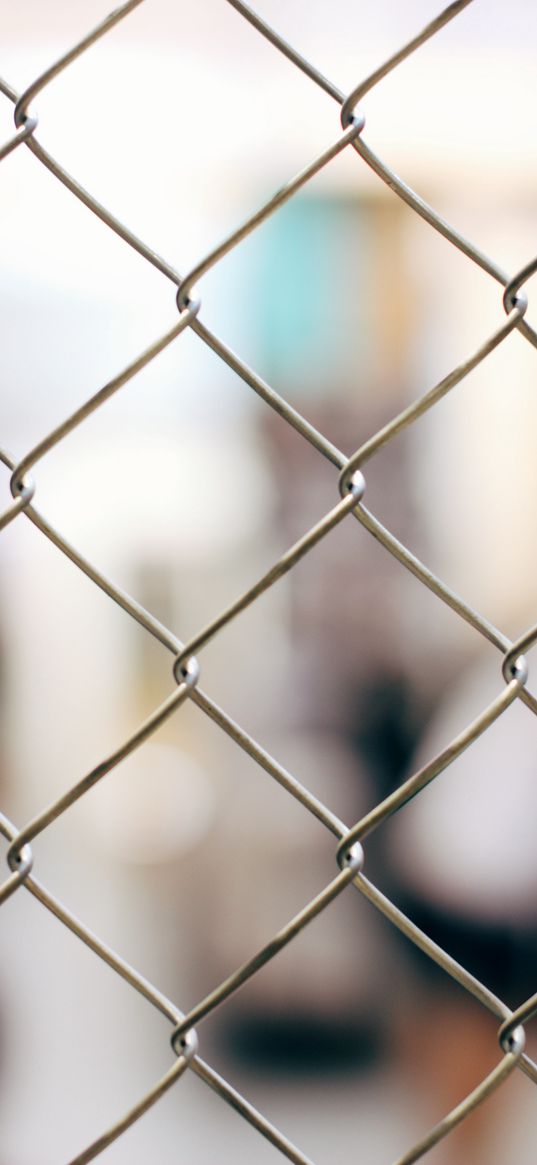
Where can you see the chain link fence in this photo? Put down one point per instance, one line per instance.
(186, 1030)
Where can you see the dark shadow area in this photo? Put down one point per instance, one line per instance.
(303, 1044)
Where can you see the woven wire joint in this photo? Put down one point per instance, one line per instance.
(187, 658)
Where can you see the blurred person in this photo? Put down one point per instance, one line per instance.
(462, 865)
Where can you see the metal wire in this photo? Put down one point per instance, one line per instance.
(348, 851)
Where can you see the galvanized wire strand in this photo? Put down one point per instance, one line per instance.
(114, 592)
(348, 103)
(165, 1006)
(186, 669)
(81, 931)
(352, 862)
(287, 49)
(439, 588)
(15, 879)
(401, 55)
(264, 759)
(92, 203)
(81, 414)
(462, 1110)
(401, 422)
(521, 1015)
(105, 26)
(355, 488)
(159, 1001)
(24, 489)
(173, 644)
(395, 183)
(269, 395)
(272, 204)
(24, 131)
(251, 378)
(418, 407)
(513, 287)
(284, 564)
(440, 224)
(349, 853)
(226, 1092)
(430, 771)
(444, 960)
(129, 1118)
(425, 943)
(267, 762)
(392, 180)
(142, 733)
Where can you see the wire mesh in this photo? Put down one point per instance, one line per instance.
(348, 851)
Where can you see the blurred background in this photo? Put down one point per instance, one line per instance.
(185, 488)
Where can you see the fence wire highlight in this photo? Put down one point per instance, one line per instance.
(350, 483)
